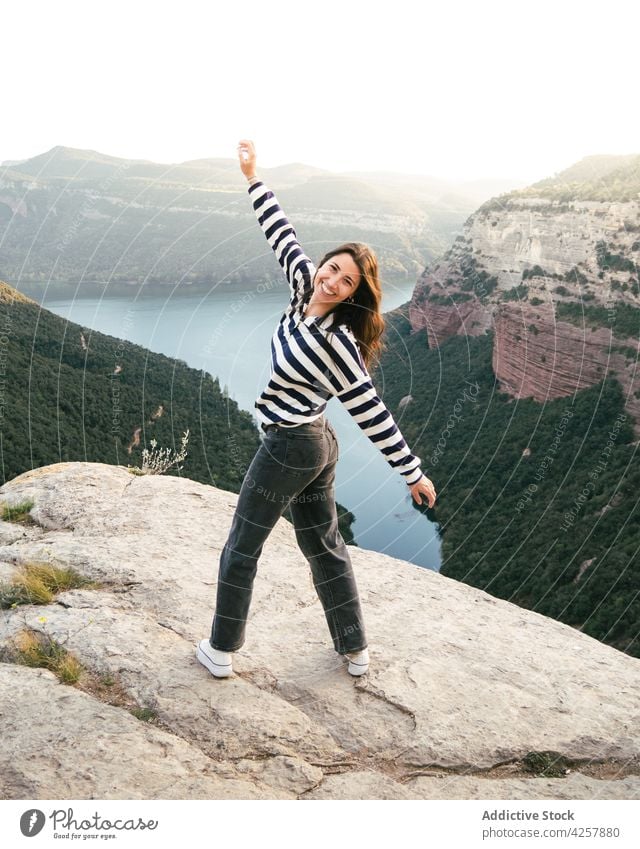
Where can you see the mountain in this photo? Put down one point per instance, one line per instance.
(72, 216)
(513, 373)
(467, 696)
(603, 178)
(553, 270)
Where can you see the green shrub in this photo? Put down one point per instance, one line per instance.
(144, 714)
(517, 293)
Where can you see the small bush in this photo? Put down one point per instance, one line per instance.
(536, 271)
(547, 764)
(160, 460)
(517, 293)
(612, 262)
(144, 714)
(576, 276)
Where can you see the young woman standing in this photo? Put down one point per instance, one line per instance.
(327, 337)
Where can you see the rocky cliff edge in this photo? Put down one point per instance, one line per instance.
(468, 696)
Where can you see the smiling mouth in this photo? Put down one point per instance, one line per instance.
(326, 291)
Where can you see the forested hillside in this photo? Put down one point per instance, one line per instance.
(71, 393)
(537, 503)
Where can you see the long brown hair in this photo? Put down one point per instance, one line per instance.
(363, 316)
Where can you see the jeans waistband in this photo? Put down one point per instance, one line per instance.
(321, 423)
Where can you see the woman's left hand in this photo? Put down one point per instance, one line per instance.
(425, 487)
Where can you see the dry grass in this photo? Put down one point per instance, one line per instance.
(39, 583)
(35, 649)
(18, 512)
(39, 650)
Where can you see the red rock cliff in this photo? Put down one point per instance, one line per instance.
(518, 260)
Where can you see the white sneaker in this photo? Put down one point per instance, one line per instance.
(358, 662)
(217, 662)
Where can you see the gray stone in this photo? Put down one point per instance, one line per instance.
(74, 747)
(459, 681)
(574, 786)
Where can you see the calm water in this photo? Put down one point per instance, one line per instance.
(228, 334)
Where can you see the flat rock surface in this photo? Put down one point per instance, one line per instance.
(460, 683)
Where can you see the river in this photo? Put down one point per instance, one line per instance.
(227, 333)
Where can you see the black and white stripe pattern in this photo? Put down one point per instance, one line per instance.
(311, 361)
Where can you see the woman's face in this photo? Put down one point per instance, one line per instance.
(336, 280)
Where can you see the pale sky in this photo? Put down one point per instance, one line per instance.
(460, 90)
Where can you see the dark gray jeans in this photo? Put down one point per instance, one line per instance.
(295, 468)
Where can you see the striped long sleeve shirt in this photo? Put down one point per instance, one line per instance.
(312, 361)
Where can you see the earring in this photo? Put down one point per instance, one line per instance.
(349, 300)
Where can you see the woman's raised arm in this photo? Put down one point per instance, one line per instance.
(297, 266)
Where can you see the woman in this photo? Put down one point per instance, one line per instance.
(323, 345)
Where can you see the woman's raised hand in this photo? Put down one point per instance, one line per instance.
(247, 157)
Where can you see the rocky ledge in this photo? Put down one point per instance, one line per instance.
(467, 696)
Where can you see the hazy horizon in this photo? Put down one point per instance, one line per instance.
(233, 163)
(461, 93)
